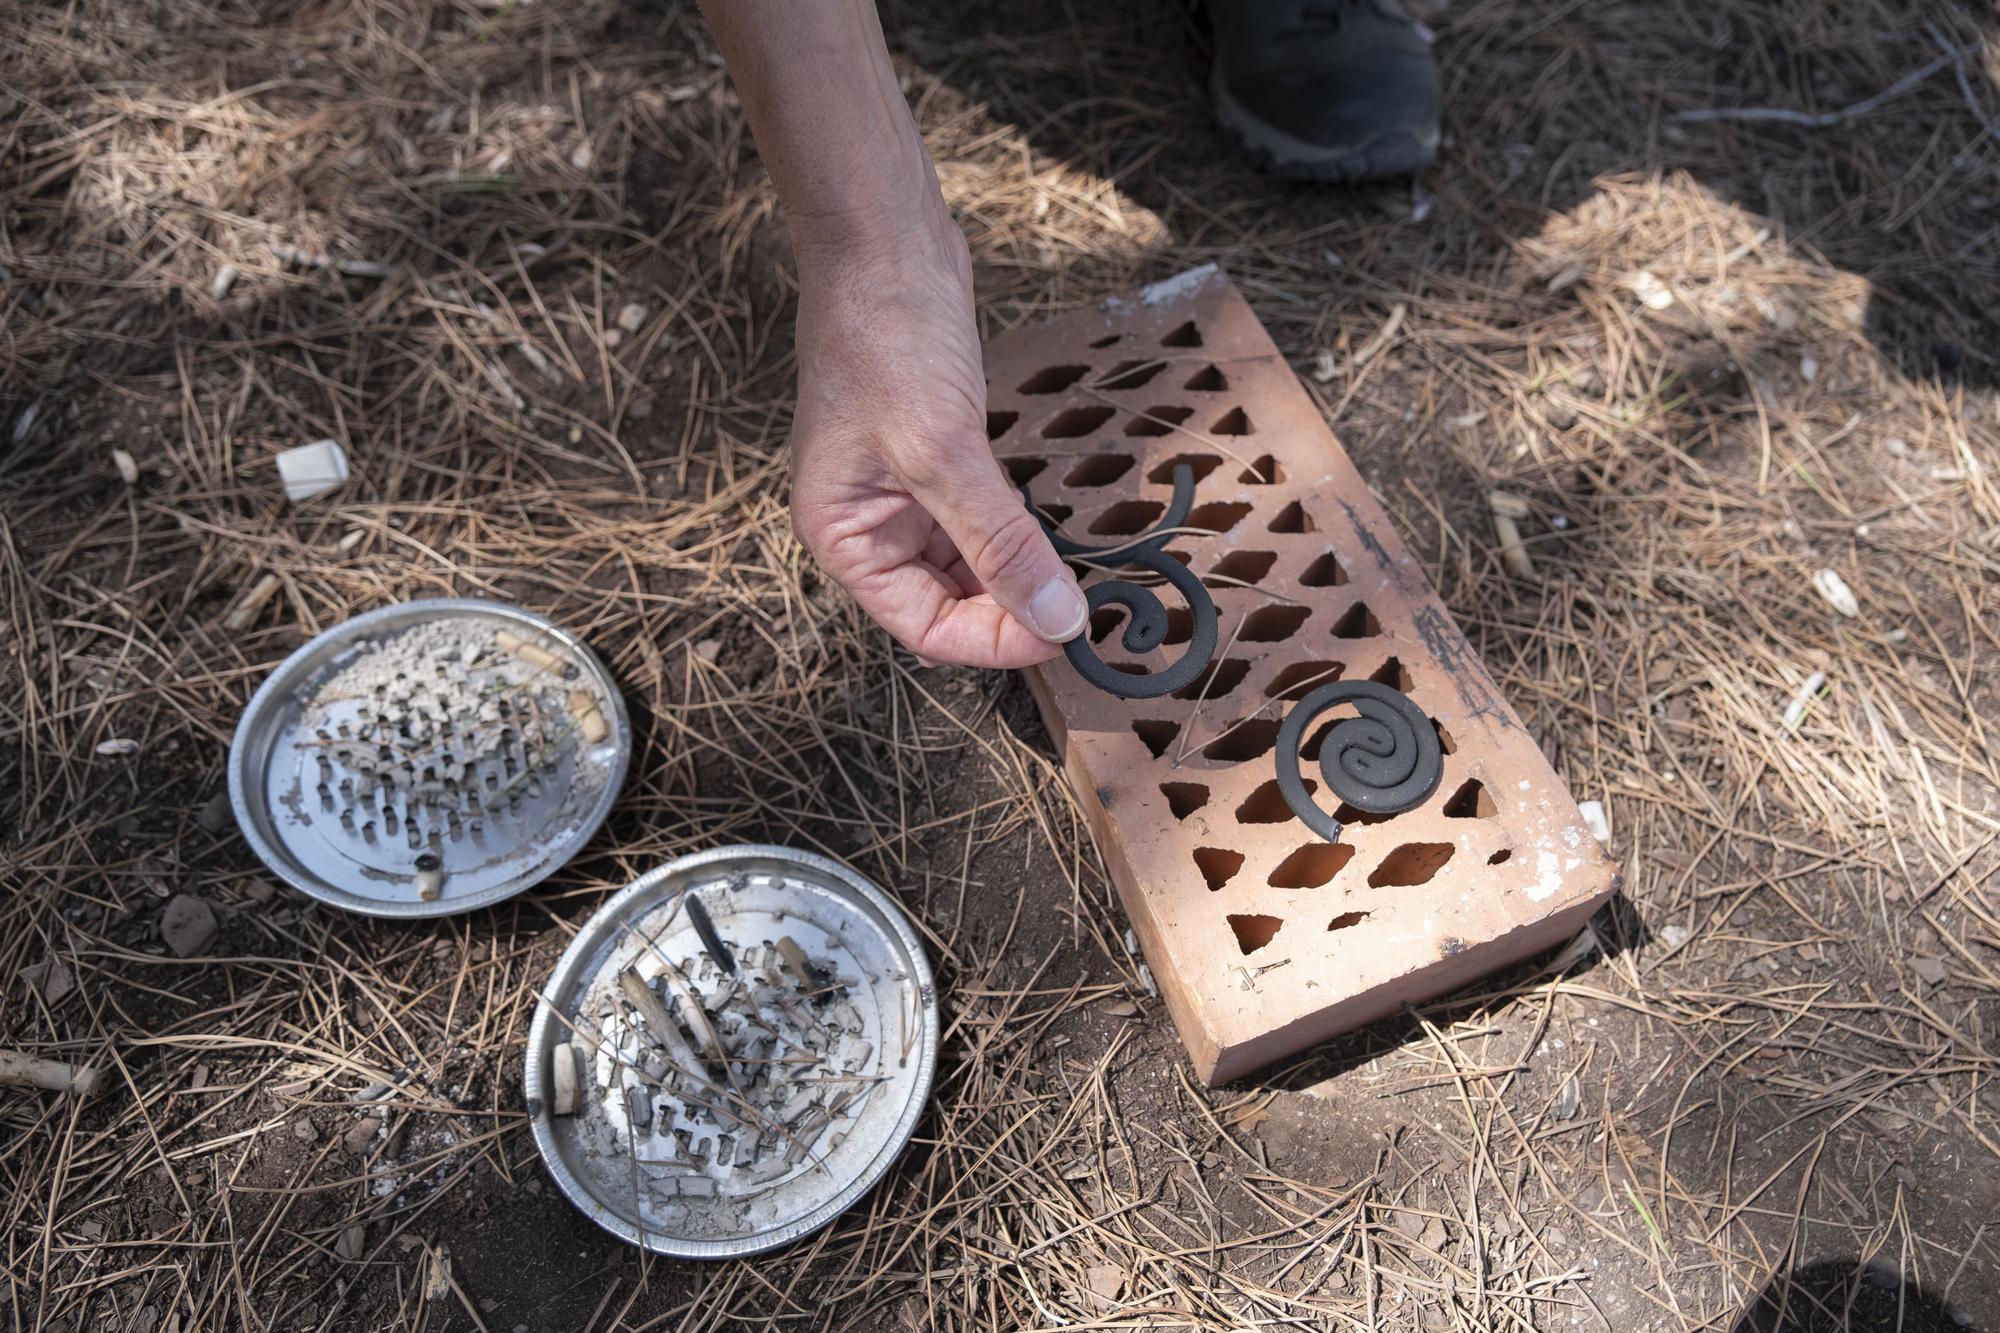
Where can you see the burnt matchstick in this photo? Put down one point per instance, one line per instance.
(710, 941)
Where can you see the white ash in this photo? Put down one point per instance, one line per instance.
(722, 1142)
(426, 735)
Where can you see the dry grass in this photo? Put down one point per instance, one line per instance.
(1709, 355)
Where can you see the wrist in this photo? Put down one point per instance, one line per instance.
(900, 226)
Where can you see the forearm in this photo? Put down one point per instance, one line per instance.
(831, 125)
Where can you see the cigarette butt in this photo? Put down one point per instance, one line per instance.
(562, 1072)
(248, 607)
(1512, 553)
(532, 653)
(589, 720)
(430, 876)
(20, 1070)
(795, 959)
(641, 997)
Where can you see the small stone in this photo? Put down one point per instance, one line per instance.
(1410, 1224)
(128, 469)
(259, 891)
(1568, 1100)
(50, 979)
(1433, 1237)
(216, 814)
(352, 1241)
(303, 1131)
(1930, 969)
(225, 278)
(708, 650)
(187, 925)
(1106, 1281)
(1122, 1009)
(1673, 935)
(359, 1136)
(632, 317)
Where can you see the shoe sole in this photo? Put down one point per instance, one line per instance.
(1270, 149)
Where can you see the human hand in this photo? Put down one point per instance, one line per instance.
(895, 490)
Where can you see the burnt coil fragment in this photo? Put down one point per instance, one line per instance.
(1146, 628)
(1383, 762)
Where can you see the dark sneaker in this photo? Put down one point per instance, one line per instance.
(1339, 90)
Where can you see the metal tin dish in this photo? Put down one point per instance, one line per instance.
(795, 1071)
(428, 758)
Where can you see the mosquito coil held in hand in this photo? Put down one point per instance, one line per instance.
(1147, 627)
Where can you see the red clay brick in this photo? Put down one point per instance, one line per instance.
(1264, 938)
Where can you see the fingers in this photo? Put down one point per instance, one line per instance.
(1002, 544)
(932, 617)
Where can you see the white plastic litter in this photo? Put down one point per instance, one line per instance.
(1795, 711)
(1838, 595)
(312, 469)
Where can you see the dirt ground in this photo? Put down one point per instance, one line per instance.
(1719, 353)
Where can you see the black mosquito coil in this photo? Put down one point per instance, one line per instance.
(1146, 629)
(1382, 762)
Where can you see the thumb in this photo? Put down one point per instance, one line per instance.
(1001, 542)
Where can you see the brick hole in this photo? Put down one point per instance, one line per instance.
(1052, 379)
(1108, 340)
(1471, 801)
(1325, 572)
(1076, 421)
(1293, 518)
(1056, 514)
(1217, 516)
(1245, 566)
(1022, 470)
(1217, 680)
(1274, 623)
(1200, 465)
(1301, 678)
(1411, 864)
(1233, 422)
(1501, 857)
(1157, 735)
(1393, 674)
(1358, 623)
(1184, 798)
(1100, 470)
(1131, 374)
(1187, 335)
(1129, 668)
(1105, 619)
(1311, 866)
(1127, 518)
(1158, 421)
(1264, 472)
(1244, 742)
(1217, 865)
(999, 423)
(1180, 625)
(1346, 919)
(1209, 379)
(1445, 742)
(1347, 814)
(1254, 930)
(1267, 804)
